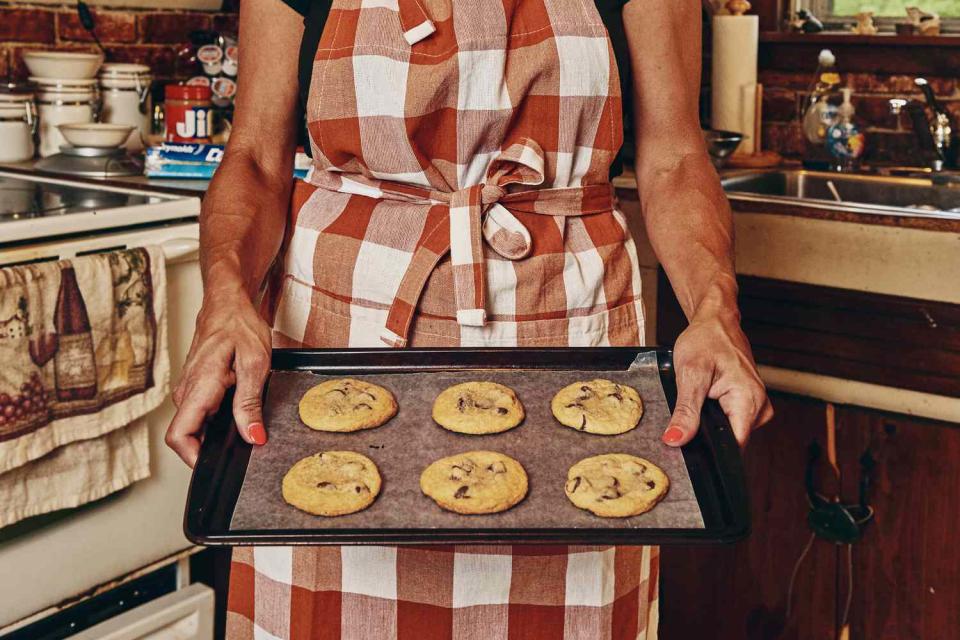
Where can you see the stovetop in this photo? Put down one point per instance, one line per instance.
(33, 207)
(21, 199)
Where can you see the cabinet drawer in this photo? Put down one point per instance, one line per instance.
(186, 614)
(893, 341)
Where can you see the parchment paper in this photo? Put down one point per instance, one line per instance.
(405, 445)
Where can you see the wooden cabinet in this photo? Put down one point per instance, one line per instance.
(906, 568)
(739, 591)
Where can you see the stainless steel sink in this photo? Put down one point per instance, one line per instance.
(890, 195)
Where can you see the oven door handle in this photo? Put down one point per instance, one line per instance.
(180, 249)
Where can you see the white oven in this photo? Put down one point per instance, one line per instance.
(51, 562)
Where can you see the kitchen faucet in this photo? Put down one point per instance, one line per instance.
(935, 137)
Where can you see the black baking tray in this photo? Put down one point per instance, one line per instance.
(712, 457)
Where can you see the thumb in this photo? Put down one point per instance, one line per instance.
(247, 403)
(692, 386)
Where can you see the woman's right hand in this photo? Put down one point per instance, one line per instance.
(231, 346)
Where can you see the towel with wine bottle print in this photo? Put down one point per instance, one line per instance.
(83, 352)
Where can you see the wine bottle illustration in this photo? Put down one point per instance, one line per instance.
(75, 367)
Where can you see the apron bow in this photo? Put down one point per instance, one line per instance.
(479, 212)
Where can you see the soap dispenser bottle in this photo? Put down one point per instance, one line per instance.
(844, 140)
(820, 111)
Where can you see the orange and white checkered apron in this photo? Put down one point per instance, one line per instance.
(459, 197)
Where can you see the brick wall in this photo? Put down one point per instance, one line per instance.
(889, 138)
(147, 36)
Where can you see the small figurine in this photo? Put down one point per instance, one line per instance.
(806, 22)
(737, 7)
(865, 25)
(925, 23)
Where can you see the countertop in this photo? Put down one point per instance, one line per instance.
(175, 187)
(624, 184)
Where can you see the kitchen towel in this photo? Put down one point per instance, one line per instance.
(83, 344)
(75, 474)
(734, 76)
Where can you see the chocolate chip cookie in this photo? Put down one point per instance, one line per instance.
(477, 408)
(616, 485)
(345, 404)
(475, 482)
(598, 406)
(332, 483)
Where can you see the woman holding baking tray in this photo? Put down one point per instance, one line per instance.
(422, 115)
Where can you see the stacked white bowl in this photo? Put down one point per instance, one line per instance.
(66, 92)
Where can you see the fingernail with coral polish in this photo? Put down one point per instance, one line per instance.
(672, 435)
(257, 433)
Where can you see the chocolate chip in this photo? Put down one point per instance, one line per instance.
(324, 485)
(616, 395)
(502, 411)
(583, 422)
(461, 492)
(651, 484)
(574, 405)
(610, 493)
(465, 468)
(359, 489)
(461, 404)
(587, 390)
(576, 484)
(497, 467)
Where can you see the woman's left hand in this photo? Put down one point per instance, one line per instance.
(712, 359)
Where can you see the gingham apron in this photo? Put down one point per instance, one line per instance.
(459, 197)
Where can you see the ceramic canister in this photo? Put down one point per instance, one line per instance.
(125, 95)
(18, 122)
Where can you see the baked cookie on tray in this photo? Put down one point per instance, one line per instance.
(332, 483)
(345, 404)
(598, 406)
(475, 482)
(478, 408)
(616, 485)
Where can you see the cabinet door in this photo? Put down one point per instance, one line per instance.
(906, 569)
(738, 592)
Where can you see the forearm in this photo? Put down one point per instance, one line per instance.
(688, 222)
(685, 211)
(245, 209)
(242, 221)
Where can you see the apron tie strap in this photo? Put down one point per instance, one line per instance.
(414, 21)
